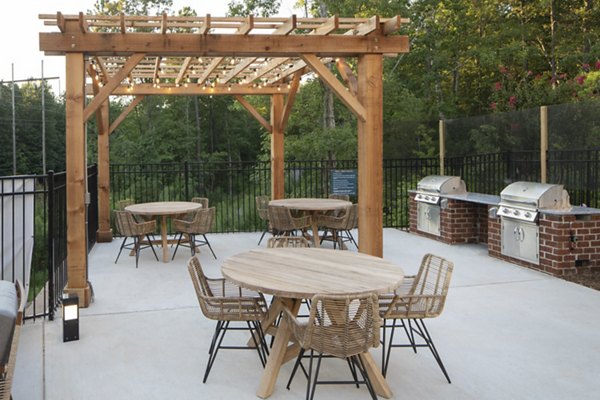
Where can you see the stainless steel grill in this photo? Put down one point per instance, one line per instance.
(520, 205)
(429, 192)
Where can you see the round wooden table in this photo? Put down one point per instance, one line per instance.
(163, 209)
(293, 274)
(313, 207)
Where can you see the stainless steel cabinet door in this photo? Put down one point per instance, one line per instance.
(520, 240)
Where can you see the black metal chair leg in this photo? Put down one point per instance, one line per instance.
(296, 365)
(214, 350)
(425, 333)
(209, 246)
(363, 371)
(121, 249)
(386, 356)
(151, 246)
(316, 377)
(176, 247)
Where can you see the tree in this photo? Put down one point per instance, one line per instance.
(262, 8)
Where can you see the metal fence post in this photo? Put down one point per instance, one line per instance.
(442, 132)
(50, 236)
(186, 180)
(543, 142)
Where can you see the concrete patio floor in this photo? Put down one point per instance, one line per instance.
(506, 333)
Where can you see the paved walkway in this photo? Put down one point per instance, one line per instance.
(506, 333)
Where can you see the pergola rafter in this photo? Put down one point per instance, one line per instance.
(186, 55)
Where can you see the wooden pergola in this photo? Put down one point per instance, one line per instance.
(173, 55)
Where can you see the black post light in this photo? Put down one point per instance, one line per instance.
(70, 309)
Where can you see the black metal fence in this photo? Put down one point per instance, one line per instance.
(232, 187)
(47, 273)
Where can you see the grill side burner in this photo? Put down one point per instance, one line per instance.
(519, 207)
(428, 194)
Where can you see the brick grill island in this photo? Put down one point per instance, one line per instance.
(463, 218)
(569, 241)
(569, 238)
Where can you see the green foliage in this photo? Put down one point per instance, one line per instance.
(28, 129)
(261, 8)
(132, 7)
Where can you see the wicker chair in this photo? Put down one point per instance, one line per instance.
(201, 200)
(340, 226)
(130, 228)
(283, 223)
(338, 326)
(262, 206)
(7, 370)
(225, 302)
(290, 241)
(199, 225)
(121, 204)
(287, 241)
(421, 296)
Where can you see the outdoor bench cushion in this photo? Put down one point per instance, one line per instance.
(8, 315)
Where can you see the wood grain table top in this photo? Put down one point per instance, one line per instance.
(303, 272)
(163, 207)
(308, 204)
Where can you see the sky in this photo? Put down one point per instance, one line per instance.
(21, 26)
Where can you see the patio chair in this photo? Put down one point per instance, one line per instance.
(128, 227)
(287, 241)
(338, 326)
(121, 204)
(421, 296)
(201, 200)
(225, 302)
(262, 207)
(284, 224)
(199, 225)
(337, 228)
(16, 301)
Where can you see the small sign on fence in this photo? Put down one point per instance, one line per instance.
(343, 181)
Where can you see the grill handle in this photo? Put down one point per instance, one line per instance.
(519, 234)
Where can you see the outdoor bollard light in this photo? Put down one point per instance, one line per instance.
(70, 317)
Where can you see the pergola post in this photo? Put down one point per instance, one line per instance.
(104, 233)
(370, 155)
(277, 148)
(76, 180)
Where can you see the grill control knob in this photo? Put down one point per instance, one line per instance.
(516, 212)
(505, 210)
(527, 214)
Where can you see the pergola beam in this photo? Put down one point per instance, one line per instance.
(287, 110)
(338, 88)
(254, 113)
(194, 90)
(220, 45)
(137, 100)
(111, 85)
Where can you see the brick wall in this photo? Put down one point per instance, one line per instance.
(461, 222)
(569, 244)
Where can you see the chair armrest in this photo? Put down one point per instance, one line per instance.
(144, 228)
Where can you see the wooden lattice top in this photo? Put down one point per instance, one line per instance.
(218, 54)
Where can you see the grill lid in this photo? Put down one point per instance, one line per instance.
(535, 195)
(438, 184)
